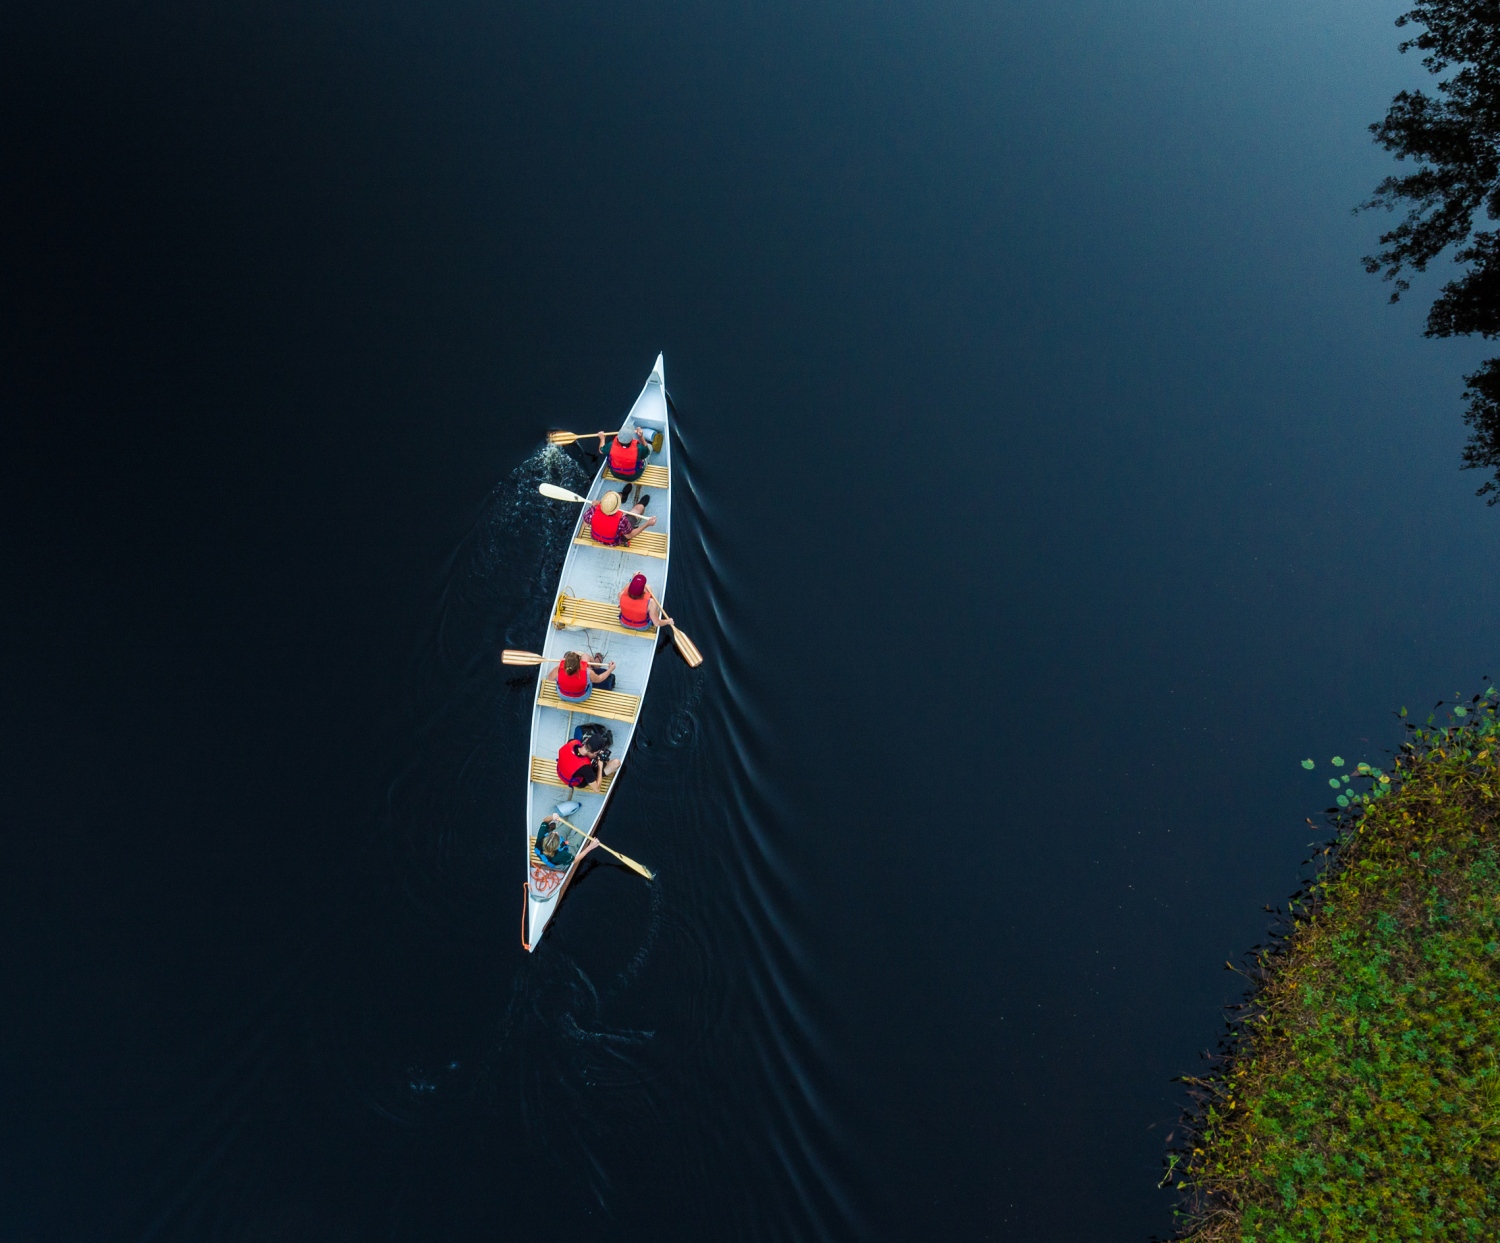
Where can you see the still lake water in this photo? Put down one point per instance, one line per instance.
(1050, 482)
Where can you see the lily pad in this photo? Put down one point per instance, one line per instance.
(1338, 761)
(1308, 764)
(1334, 782)
(1342, 800)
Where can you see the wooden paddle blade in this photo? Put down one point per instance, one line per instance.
(626, 860)
(688, 648)
(631, 863)
(567, 438)
(512, 656)
(561, 494)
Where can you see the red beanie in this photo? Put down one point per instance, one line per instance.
(637, 586)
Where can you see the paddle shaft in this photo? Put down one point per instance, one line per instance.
(512, 656)
(567, 438)
(625, 859)
(557, 660)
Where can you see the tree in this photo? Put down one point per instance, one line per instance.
(1455, 139)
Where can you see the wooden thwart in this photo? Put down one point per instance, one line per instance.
(615, 705)
(594, 615)
(544, 772)
(647, 543)
(651, 477)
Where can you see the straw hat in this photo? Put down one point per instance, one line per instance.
(609, 502)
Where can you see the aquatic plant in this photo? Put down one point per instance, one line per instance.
(1357, 1094)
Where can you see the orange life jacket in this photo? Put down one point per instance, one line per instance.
(635, 612)
(623, 455)
(574, 684)
(604, 527)
(569, 761)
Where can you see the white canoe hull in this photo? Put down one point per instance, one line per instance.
(595, 574)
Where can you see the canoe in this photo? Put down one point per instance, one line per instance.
(585, 619)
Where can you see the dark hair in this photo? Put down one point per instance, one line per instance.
(596, 737)
(571, 661)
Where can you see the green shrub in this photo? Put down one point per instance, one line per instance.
(1360, 1095)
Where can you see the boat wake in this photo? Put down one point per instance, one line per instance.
(658, 1024)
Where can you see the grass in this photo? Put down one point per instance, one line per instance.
(1359, 1094)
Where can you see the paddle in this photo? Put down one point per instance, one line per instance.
(570, 437)
(567, 438)
(685, 646)
(625, 859)
(514, 656)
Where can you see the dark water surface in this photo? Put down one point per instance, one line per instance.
(1051, 481)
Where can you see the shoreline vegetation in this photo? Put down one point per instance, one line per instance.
(1356, 1096)
(1453, 137)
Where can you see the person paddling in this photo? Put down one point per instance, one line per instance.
(578, 765)
(608, 525)
(639, 608)
(627, 456)
(576, 677)
(550, 845)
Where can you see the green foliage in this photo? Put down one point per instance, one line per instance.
(1454, 138)
(1360, 1097)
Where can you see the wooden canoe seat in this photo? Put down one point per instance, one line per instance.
(544, 772)
(615, 705)
(651, 477)
(652, 543)
(594, 615)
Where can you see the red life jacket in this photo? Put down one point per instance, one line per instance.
(635, 612)
(573, 684)
(604, 527)
(569, 761)
(623, 455)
